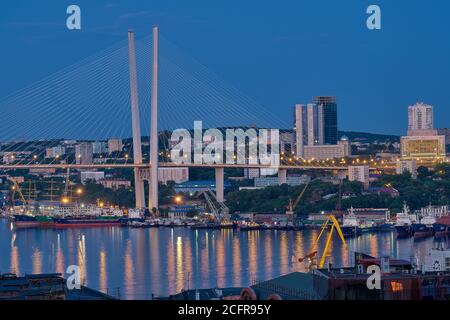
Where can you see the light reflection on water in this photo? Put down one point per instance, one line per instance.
(142, 262)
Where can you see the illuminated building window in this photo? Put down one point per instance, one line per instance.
(396, 286)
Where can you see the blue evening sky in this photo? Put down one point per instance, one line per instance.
(277, 52)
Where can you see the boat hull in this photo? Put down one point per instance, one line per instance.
(26, 221)
(86, 223)
(441, 230)
(420, 230)
(349, 232)
(403, 231)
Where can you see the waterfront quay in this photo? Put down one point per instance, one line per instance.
(158, 262)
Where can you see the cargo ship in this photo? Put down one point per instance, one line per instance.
(67, 216)
(350, 225)
(31, 221)
(425, 228)
(88, 221)
(403, 226)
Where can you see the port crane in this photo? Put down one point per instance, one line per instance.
(332, 222)
(219, 210)
(292, 205)
(16, 188)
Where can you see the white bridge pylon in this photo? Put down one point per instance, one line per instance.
(136, 127)
(143, 174)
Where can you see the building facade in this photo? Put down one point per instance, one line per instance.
(422, 147)
(83, 153)
(99, 147)
(55, 152)
(445, 132)
(294, 180)
(407, 165)
(422, 141)
(315, 124)
(91, 175)
(420, 119)
(115, 183)
(178, 175)
(359, 173)
(327, 151)
(115, 145)
(328, 109)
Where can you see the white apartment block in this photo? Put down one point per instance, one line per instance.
(407, 165)
(115, 145)
(359, 173)
(178, 175)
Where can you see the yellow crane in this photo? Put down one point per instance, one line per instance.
(332, 222)
(292, 205)
(16, 188)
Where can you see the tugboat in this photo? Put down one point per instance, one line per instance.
(350, 226)
(403, 226)
(424, 228)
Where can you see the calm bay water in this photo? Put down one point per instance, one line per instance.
(161, 261)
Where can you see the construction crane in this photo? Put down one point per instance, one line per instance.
(292, 205)
(219, 210)
(16, 188)
(330, 221)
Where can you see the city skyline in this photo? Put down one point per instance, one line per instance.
(361, 102)
(227, 151)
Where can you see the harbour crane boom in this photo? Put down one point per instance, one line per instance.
(16, 188)
(331, 219)
(291, 207)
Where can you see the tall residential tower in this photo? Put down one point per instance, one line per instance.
(316, 131)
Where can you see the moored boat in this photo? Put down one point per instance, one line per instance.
(32, 221)
(403, 226)
(424, 228)
(350, 226)
(88, 221)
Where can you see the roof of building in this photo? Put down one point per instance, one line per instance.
(293, 286)
(205, 294)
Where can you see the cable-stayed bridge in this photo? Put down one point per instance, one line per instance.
(92, 100)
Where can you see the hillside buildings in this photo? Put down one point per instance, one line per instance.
(115, 145)
(84, 153)
(359, 173)
(407, 165)
(55, 152)
(422, 141)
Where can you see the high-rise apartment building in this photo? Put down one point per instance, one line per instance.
(359, 173)
(316, 125)
(422, 141)
(420, 119)
(55, 152)
(114, 145)
(84, 153)
(328, 117)
(99, 147)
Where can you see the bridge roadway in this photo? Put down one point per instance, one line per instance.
(184, 165)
